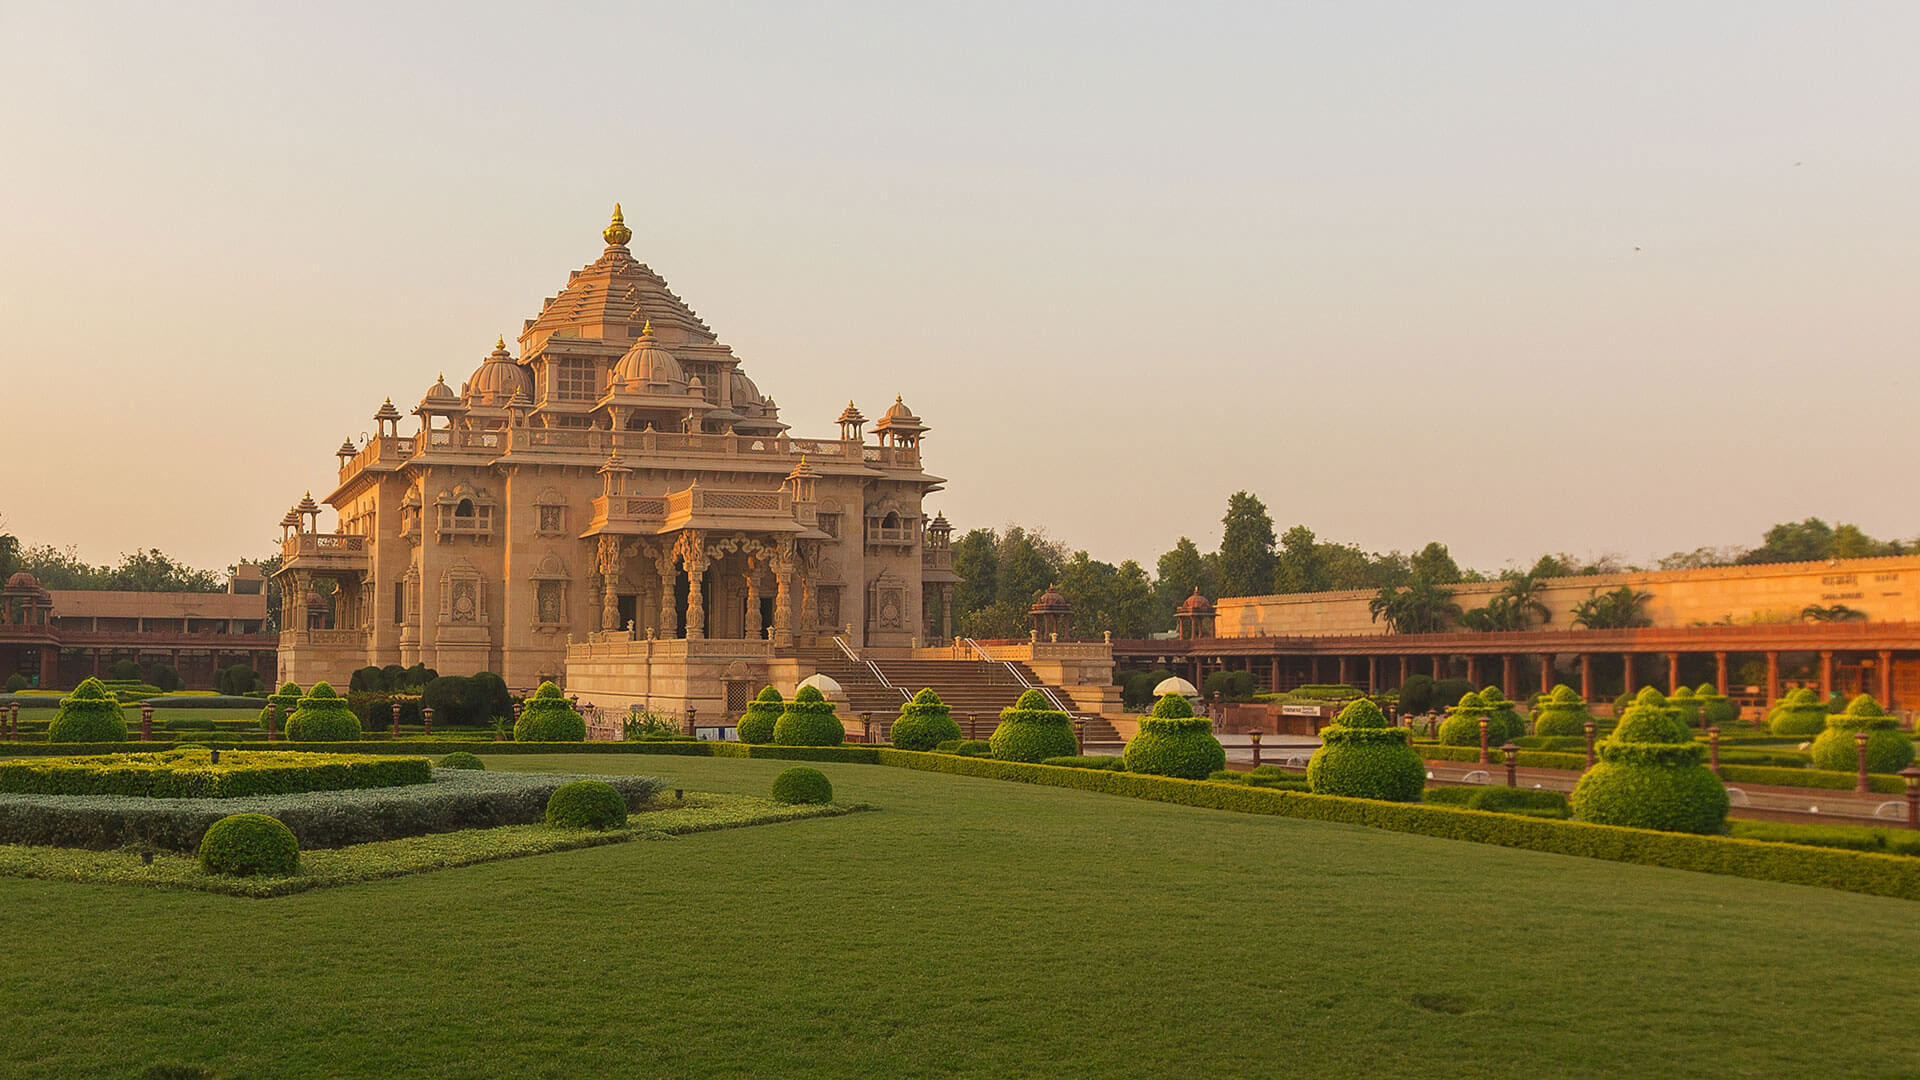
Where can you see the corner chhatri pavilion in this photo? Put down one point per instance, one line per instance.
(621, 506)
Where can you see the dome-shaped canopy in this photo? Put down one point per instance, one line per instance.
(498, 378)
(1052, 601)
(826, 684)
(1196, 604)
(23, 580)
(647, 367)
(899, 411)
(746, 396)
(440, 393)
(316, 602)
(898, 421)
(1175, 685)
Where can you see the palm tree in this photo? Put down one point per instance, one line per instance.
(1420, 607)
(1616, 610)
(1836, 613)
(1513, 608)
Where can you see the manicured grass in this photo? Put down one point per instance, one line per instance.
(971, 928)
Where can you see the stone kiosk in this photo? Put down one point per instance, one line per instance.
(619, 507)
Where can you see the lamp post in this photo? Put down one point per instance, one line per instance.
(426, 718)
(1590, 727)
(146, 723)
(1255, 736)
(1713, 749)
(396, 719)
(273, 717)
(1912, 773)
(1485, 758)
(1512, 754)
(1860, 745)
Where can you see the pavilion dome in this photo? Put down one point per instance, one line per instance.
(23, 580)
(1052, 601)
(498, 378)
(440, 392)
(746, 396)
(898, 411)
(647, 365)
(1196, 604)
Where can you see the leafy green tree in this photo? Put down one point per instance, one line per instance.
(1298, 568)
(1246, 547)
(1794, 541)
(1180, 572)
(1419, 607)
(976, 558)
(1435, 565)
(1621, 609)
(1133, 609)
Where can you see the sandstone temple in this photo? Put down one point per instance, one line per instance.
(620, 506)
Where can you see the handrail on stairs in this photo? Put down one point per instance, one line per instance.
(870, 666)
(1052, 698)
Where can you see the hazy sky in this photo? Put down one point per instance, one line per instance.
(1594, 277)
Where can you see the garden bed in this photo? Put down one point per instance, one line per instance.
(195, 773)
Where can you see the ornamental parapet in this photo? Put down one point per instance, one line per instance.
(335, 550)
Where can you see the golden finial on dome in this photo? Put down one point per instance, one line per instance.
(647, 330)
(616, 233)
(500, 343)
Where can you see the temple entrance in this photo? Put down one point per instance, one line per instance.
(629, 612)
(680, 592)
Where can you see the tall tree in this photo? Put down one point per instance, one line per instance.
(1246, 547)
(1298, 568)
(1134, 609)
(1435, 565)
(1181, 571)
(976, 558)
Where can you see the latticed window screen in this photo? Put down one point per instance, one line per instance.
(577, 380)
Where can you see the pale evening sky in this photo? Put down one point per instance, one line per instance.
(1594, 277)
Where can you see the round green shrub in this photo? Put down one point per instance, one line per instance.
(1887, 751)
(925, 722)
(1716, 709)
(1462, 725)
(1503, 720)
(547, 716)
(1650, 724)
(1561, 713)
(322, 716)
(1032, 730)
(1651, 786)
(802, 785)
(247, 844)
(89, 714)
(1174, 742)
(460, 759)
(586, 804)
(287, 698)
(1362, 757)
(809, 720)
(756, 724)
(1800, 712)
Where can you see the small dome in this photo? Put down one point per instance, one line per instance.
(648, 367)
(746, 396)
(440, 391)
(23, 580)
(1051, 602)
(498, 379)
(1196, 604)
(1175, 685)
(898, 410)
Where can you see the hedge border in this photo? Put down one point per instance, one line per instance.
(1872, 873)
(1775, 776)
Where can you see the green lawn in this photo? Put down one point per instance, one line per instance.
(971, 928)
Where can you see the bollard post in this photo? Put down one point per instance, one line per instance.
(1713, 749)
(13, 725)
(1589, 744)
(1860, 742)
(1485, 758)
(146, 723)
(866, 728)
(426, 718)
(1512, 754)
(1255, 736)
(1912, 773)
(273, 716)
(396, 719)
(215, 759)
(972, 731)
(1080, 737)
(690, 728)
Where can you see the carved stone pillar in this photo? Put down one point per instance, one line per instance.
(809, 607)
(694, 555)
(946, 612)
(783, 562)
(669, 618)
(609, 583)
(754, 565)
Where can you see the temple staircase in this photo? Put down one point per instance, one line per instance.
(976, 690)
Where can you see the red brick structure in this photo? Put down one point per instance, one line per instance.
(58, 637)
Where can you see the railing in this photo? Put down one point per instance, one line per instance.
(307, 543)
(854, 657)
(1647, 638)
(1014, 670)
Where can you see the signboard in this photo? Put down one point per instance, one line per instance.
(1299, 710)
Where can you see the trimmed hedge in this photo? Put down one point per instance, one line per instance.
(925, 722)
(192, 774)
(1174, 742)
(1799, 712)
(1831, 868)
(1809, 778)
(1652, 785)
(1032, 730)
(90, 714)
(247, 844)
(801, 785)
(1089, 761)
(460, 759)
(1888, 750)
(756, 724)
(548, 717)
(809, 720)
(321, 819)
(1362, 757)
(1562, 713)
(586, 804)
(287, 698)
(1502, 800)
(323, 716)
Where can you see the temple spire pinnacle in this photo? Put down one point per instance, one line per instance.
(616, 233)
(500, 342)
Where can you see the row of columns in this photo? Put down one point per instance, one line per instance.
(1440, 665)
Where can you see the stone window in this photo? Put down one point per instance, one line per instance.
(552, 519)
(577, 380)
(550, 603)
(829, 524)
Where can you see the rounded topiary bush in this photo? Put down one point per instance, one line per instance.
(89, 714)
(1650, 724)
(1686, 708)
(1462, 725)
(1174, 742)
(586, 804)
(547, 716)
(1651, 786)
(1888, 749)
(1800, 712)
(460, 759)
(802, 785)
(809, 720)
(1362, 757)
(1503, 719)
(323, 716)
(281, 704)
(756, 724)
(1561, 713)
(925, 722)
(1715, 708)
(1032, 730)
(247, 844)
